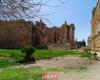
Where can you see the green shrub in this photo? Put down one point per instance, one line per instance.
(28, 51)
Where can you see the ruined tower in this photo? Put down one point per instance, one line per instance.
(58, 36)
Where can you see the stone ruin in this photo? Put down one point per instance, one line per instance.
(19, 33)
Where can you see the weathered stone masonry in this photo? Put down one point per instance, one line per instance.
(94, 41)
(61, 37)
(17, 34)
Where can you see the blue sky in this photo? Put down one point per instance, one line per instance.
(78, 12)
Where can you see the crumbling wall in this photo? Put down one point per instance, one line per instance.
(15, 34)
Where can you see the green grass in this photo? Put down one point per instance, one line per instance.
(81, 68)
(34, 73)
(21, 74)
(13, 53)
(8, 57)
(47, 54)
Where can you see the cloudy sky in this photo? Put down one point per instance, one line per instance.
(78, 12)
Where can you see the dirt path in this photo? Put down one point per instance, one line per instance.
(92, 73)
(60, 62)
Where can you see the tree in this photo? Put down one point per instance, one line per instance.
(18, 9)
(84, 43)
(81, 43)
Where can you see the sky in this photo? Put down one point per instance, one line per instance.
(78, 12)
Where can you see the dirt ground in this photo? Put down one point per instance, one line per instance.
(60, 62)
(92, 72)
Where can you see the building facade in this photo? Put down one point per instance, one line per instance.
(19, 33)
(94, 39)
(58, 37)
(15, 34)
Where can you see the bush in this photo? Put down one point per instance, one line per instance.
(28, 50)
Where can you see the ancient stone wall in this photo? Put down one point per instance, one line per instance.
(94, 43)
(96, 18)
(15, 34)
(63, 34)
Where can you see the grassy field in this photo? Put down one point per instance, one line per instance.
(8, 57)
(47, 54)
(21, 74)
(33, 73)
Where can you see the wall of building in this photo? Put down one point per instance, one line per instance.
(94, 41)
(15, 34)
(58, 35)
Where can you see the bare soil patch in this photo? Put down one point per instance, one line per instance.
(60, 62)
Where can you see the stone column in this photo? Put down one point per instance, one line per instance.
(72, 29)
